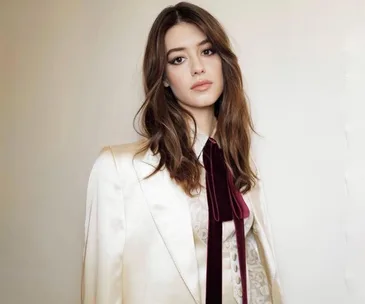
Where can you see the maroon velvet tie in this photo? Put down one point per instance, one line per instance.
(225, 203)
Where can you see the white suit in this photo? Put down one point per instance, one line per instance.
(139, 243)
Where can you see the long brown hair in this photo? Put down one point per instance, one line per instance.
(163, 122)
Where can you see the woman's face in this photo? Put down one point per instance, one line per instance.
(193, 70)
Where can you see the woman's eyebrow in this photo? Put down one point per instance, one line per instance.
(183, 48)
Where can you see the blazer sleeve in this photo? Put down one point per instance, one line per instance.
(259, 197)
(104, 234)
(266, 238)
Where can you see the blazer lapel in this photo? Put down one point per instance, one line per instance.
(170, 210)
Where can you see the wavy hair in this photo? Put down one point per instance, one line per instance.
(164, 123)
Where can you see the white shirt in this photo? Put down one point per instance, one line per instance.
(257, 283)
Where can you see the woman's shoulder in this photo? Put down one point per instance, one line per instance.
(122, 154)
(126, 150)
(118, 158)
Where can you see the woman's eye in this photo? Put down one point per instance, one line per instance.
(208, 52)
(177, 60)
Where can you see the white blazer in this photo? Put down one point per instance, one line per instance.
(139, 243)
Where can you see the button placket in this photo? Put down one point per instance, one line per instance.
(236, 278)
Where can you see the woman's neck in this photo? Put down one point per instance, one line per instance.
(205, 121)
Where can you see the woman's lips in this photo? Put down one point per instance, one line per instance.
(201, 85)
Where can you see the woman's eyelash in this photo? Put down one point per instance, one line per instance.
(213, 51)
(173, 61)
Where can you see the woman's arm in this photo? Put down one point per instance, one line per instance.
(266, 239)
(104, 234)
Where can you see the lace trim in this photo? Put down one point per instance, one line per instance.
(258, 286)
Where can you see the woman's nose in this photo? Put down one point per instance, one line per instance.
(197, 66)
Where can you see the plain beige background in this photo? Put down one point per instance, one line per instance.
(71, 83)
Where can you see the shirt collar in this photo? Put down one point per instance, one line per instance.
(201, 139)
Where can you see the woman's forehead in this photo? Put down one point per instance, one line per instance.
(184, 35)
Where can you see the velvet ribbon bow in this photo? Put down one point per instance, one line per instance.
(225, 203)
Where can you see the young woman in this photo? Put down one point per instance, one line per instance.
(178, 217)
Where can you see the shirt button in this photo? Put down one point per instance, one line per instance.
(234, 257)
(238, 280)
(235, 268)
